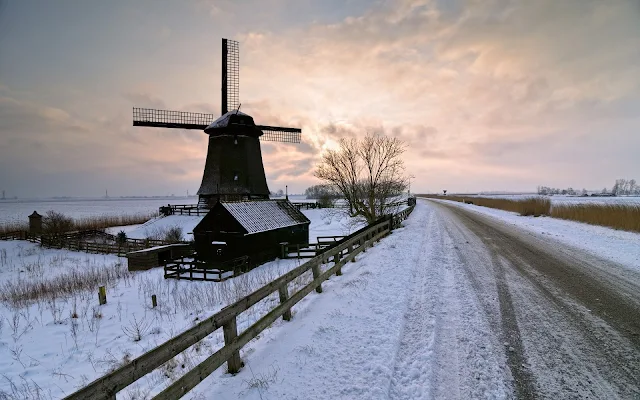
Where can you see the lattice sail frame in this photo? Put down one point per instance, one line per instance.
(199, 121)
(230, 75)
(171, 119)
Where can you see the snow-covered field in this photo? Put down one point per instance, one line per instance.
(18, 210)
(12, 211)
(55, 343)
(416, 316)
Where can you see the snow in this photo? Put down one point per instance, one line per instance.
(223, 120)
(410, 319)
(618, 246)
(378, 331)
(264, 215)
(38, 346)
(157, 227)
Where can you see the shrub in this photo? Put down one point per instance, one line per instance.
(55, 223)
(121, 238)
(173, 235)
(326, 200)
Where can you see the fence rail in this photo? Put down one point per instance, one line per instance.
(110, 384)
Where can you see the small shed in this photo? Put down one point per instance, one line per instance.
(156, 256)
(249, 228)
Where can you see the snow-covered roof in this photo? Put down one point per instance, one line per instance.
(223, 121)
(265, 215)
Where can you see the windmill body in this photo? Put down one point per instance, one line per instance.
(234, 169)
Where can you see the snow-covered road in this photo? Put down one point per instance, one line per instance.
(454, 305)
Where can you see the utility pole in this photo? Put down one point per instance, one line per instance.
(3, 198)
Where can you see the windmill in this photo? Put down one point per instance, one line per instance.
(234, 169)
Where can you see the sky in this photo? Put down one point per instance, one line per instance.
(488, 95)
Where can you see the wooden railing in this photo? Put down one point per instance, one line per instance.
(306, 205)
(401, 216)
(192, 270)
(110, 384)
(183, 209)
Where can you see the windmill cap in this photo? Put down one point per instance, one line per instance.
(231, 118)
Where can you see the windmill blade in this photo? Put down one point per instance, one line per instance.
(230, 75)
(279, 134)
(171, 119)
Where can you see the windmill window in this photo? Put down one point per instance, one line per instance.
(235, 140)
(235, 176)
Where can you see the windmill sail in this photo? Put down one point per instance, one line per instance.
(230, 75)
(171, 119)
(199, 121)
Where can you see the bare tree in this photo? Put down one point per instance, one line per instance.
(368, 173)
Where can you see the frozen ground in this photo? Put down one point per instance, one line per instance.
(55, 344)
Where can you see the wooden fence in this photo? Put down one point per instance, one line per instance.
(110, 384)
(183, 210)
(16, 235)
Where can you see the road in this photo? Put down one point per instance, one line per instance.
(569, 323)
(455, 305)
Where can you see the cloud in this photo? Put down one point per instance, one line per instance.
(497, 93)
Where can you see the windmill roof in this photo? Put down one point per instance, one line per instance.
(265, 215)
(223, 121)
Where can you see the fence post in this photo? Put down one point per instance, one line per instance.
(315, 269)
(336, 261)
(283, 291)
(102, 295)
(230, 330)
(154, 301)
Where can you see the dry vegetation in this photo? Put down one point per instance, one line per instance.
(618, 216)
(97, 222)
(535, 206)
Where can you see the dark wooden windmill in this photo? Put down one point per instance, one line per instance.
(234, 169)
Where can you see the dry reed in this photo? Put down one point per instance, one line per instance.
(535, 206)
(21, 293)
(618, 216)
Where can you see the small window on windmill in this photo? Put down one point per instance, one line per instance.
(235, 176)
(235, 140)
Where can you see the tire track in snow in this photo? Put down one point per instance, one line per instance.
(413, 365)
(555, 297)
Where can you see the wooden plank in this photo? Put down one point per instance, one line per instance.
(283, 292)
(230, 330)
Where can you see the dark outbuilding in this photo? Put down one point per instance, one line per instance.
(249, 228)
